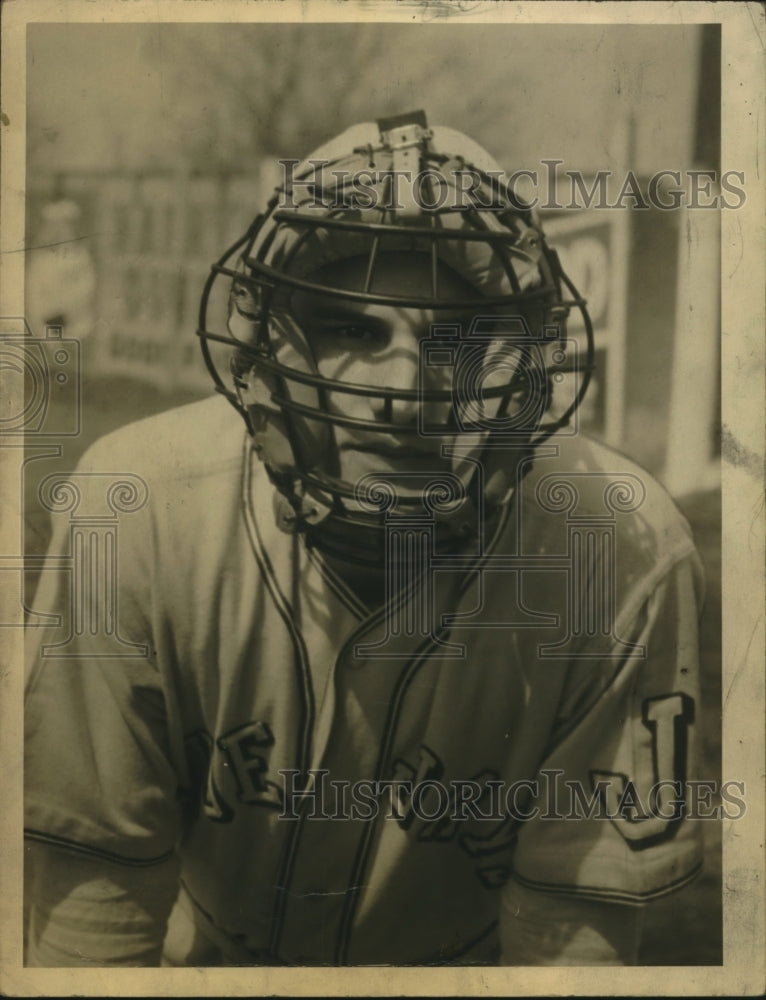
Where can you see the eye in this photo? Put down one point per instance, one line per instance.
(354, 335)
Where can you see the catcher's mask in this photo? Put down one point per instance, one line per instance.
(397, 187)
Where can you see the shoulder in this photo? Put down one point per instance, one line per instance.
(194, 441)
(577, 480)
(175, 481)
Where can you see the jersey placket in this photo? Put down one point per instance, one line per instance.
(359, 730)
(334, 828)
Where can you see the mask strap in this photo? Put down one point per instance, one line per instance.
(406, 136)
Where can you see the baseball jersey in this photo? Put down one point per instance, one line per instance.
(348, 785)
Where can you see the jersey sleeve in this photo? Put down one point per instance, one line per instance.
(87, 911)
(609, 819)
(541, 928)
(99, 777)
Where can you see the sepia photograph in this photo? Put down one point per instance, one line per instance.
(382, 583)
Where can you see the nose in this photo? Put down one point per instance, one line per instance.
(402, 375)
(399, 371)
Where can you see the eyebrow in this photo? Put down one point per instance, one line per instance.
(323, 312)
(326, 311)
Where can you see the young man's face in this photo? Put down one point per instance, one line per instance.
(379, 345)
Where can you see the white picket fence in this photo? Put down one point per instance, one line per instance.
(152, 239)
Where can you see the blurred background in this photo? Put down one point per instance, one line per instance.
(151, 147)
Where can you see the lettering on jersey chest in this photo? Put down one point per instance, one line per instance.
(419, 798)
(234, 770)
